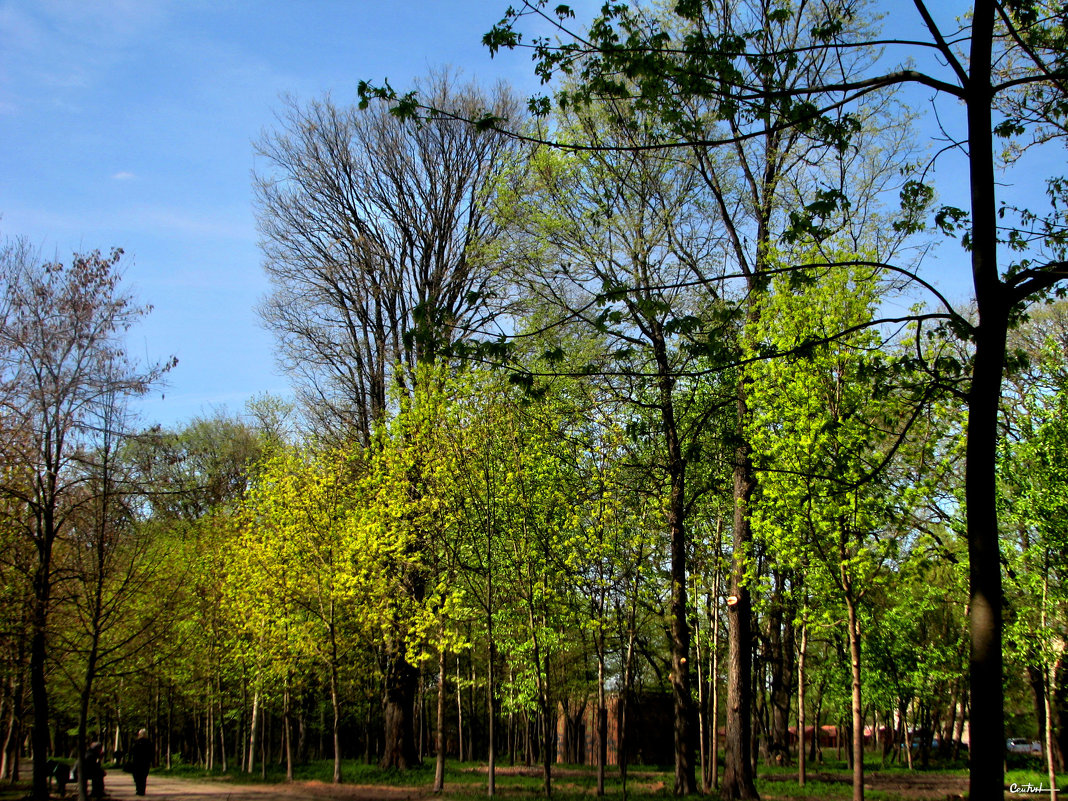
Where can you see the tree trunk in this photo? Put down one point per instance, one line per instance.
(546, 746)
(402, 681)
(780, 664)
(685, 717)
(252, 732)
(491, 724)
(222, 725)
(85, 696)
(38, 670)
(1051, 756)
(702, 699)
(987, 772)
(459, 713)
(802, 653)
(287, 730)
(602, 718)
(857, 706)
(13, 736)
(335, 703)
(738, 764)
(439, 728)
(714, 678)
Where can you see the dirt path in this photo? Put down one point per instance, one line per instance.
(120, 786)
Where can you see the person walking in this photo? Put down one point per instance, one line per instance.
(94, 769)
(141, 760)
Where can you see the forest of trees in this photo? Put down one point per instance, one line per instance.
(639, 390)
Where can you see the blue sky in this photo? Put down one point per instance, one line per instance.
(130, 123)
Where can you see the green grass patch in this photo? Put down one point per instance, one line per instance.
(467, 781)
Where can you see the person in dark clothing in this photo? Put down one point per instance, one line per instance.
(141, 760)
(94, 771)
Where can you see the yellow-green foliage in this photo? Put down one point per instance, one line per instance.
(817, 429)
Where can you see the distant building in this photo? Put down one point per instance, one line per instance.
(649, 736)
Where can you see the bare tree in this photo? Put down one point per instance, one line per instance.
(60, 353)
(379, 241)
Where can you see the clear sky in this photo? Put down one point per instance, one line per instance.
(130, 123)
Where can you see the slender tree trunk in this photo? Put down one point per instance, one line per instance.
(38, 669)
(546, 746)
(170, 722)
(857, 706)
(738, 768)
(622, 741)
(209, 730)
(13, 736)
(802, 653)
(459, 713)
(685, 717)
(702, 699)
(602, 718)
(958, 730)
(265, 733)
(82, 740)
(439, 727)
(252, 730)
(287, 730)
(780, 667)
(222, 725)
(714, 679)
(9, 738)
(1049, 743)
(491, 767)
(1050, 687)
(335, 704)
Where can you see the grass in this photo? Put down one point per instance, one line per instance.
(829, 780)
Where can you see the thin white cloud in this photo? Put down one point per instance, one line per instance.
(225, 224)
(123, 176)
(66, 45)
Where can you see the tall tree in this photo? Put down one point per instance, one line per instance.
(618, 246)
(379, 243)
(822, 425)
(61, 354)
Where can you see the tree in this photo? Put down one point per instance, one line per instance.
(379, 243)
(300, 563)
(821, 425)
(61, 353)
(617, 247)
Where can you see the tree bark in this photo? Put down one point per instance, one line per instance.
(685, 717)
(856, 698)
(987, 772)
(801, 756)
(602, 718)
(335, 703)
(439, 728)
(714, 678)
(738, 764)
(401, 682)
(42, 585)
(252, 730)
